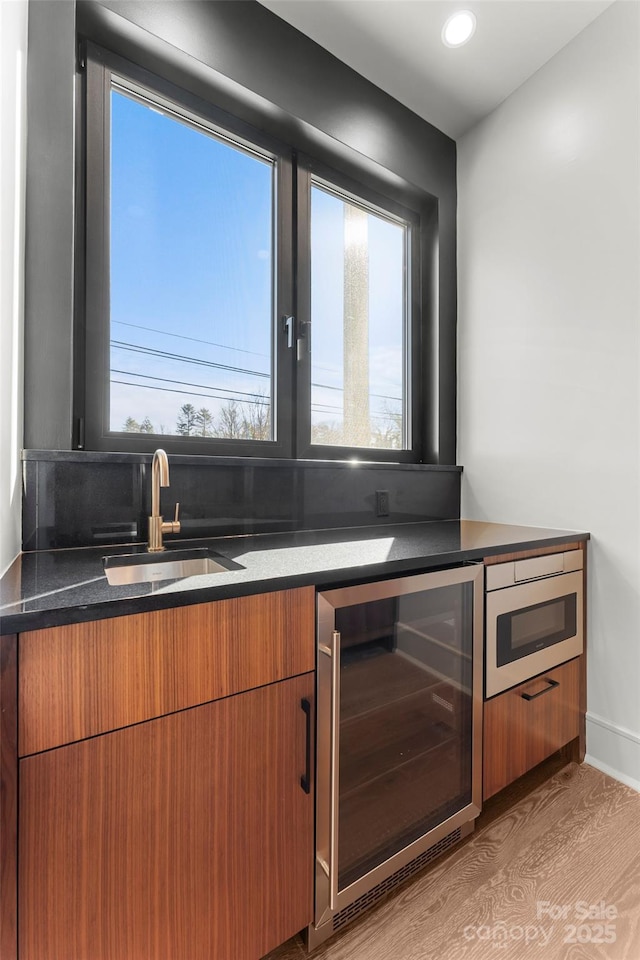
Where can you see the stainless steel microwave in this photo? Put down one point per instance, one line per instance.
(534, 617)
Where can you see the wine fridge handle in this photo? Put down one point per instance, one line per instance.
(335, 755)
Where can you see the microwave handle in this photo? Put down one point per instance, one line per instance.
(532, 696)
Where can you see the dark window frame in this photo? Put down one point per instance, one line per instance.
(291, 222)
(309, 169)
(101, 67)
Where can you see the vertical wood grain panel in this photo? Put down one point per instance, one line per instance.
(582, 734)
(8, 798)
(519, 733)
(84, 679)
(184, 838)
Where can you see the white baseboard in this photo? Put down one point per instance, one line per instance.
(614, 750)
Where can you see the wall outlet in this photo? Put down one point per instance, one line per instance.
(382, 503)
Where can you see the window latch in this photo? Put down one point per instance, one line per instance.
(289, 325)
(296, 331)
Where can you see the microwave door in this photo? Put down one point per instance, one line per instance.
(531, 628)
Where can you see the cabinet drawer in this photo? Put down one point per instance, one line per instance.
(81, 680)
(528, 723)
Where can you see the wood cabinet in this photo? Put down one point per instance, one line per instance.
(185, 838)
(8, 797)
(525, 725)
(162, 813)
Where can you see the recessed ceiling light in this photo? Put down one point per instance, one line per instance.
(459, 28)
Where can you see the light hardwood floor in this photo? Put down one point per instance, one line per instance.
(543, 853)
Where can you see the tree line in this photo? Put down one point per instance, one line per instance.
(252, 421)
(235, 421)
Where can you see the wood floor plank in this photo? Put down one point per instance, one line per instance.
(291, 950)
(521, 885)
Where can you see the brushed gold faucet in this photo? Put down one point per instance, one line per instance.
(158, 526)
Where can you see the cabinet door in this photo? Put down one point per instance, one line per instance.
(525, 725)
(188, 837)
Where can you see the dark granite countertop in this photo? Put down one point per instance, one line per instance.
(54, 587)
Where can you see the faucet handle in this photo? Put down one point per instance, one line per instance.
(175, 526)
(172, 526)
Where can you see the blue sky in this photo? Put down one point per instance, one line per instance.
(190, 255)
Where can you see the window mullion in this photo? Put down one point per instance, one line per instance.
(303, 331)
(284, 305)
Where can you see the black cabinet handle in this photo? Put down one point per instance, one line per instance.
(305, 781)
(532, 696)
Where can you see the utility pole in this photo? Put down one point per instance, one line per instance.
(357, 424)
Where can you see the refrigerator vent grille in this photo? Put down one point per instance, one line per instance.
(385, 886)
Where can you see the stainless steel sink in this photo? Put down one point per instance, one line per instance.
(168, 565)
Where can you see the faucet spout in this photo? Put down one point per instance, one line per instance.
(159, 478)
(158, 526)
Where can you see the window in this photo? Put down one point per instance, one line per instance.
(240, 299)
(359, 292)
(191, 278)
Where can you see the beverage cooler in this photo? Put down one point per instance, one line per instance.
(399, 733)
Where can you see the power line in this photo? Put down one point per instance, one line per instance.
(207, 396)
(165, 355)
(183, 336)
(189, 393)
(380, 396)
(186, 383)
(224, 346)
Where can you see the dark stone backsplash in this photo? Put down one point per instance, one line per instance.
(90, 499)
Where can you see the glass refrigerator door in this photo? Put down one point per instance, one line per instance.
(405, 721)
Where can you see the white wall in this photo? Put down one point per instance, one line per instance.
(13, 56)
(549, 322)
